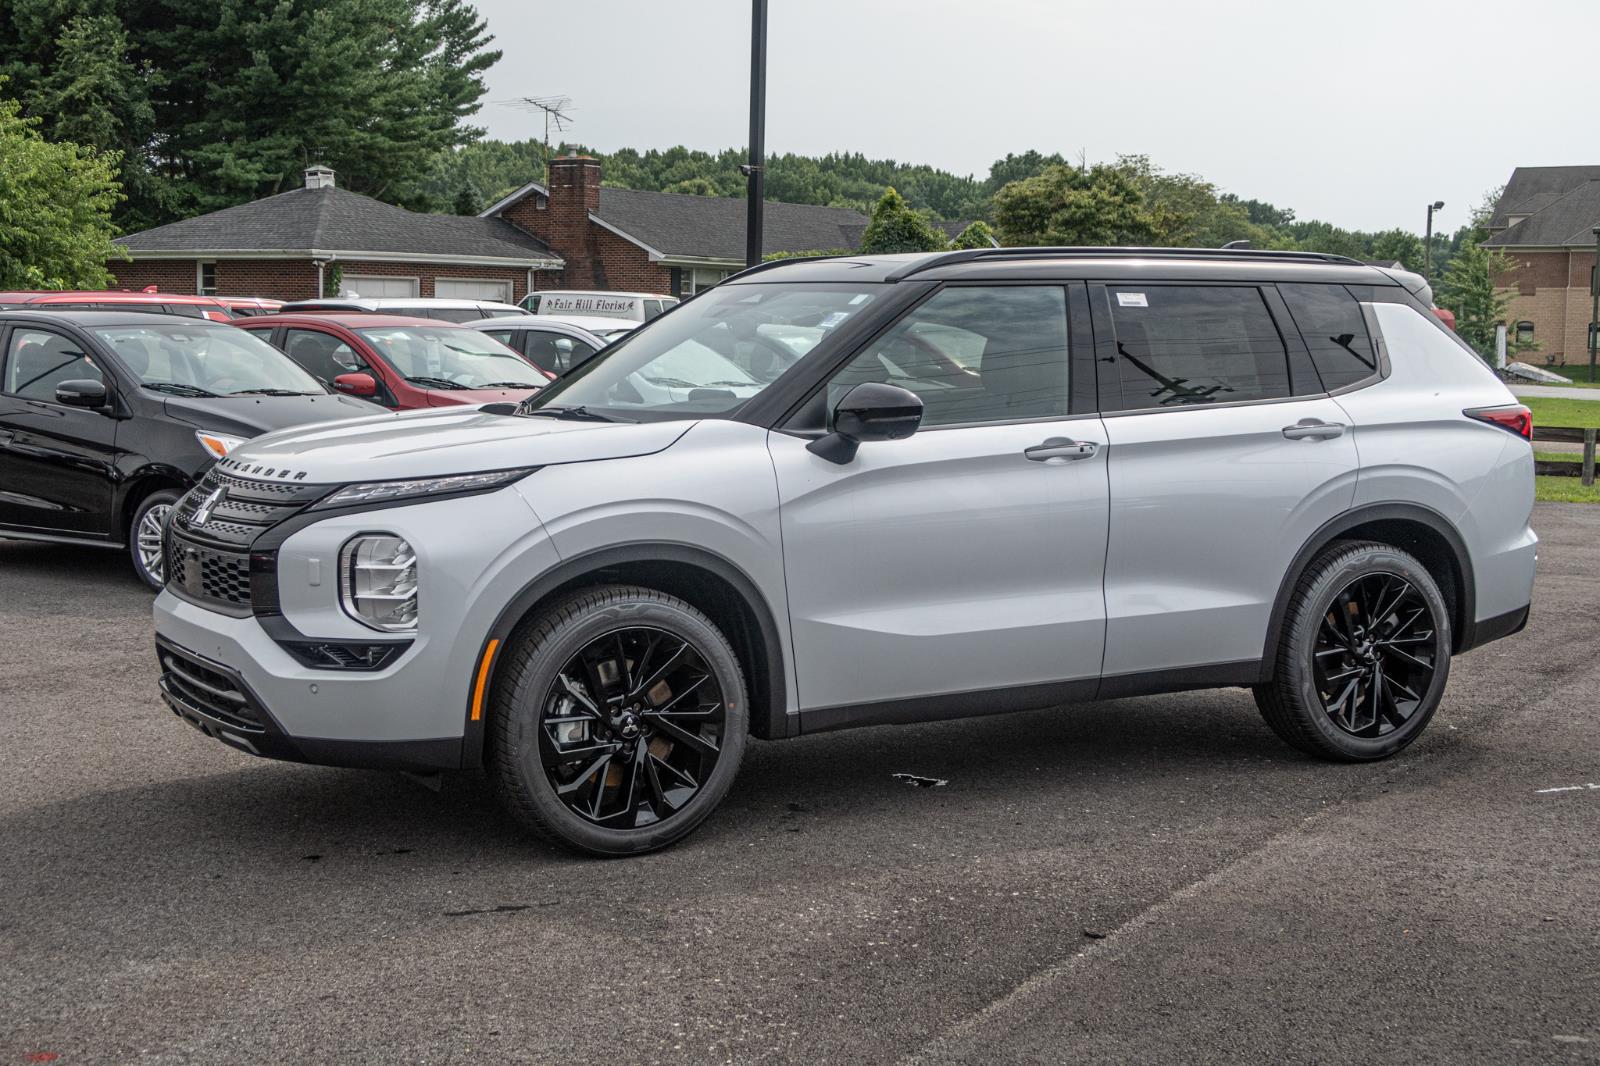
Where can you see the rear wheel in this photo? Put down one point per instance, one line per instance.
(618, 721)
(145, 537)
(1363, 657)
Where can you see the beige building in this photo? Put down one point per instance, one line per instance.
(1545, 222)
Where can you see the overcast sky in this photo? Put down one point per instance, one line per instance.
(1356, 112)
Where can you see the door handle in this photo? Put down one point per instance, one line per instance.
(1061, 449)
(1313, 429)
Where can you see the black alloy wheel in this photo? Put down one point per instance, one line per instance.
(633, 723)
(617, 721)
(1362, 657)
(1374, 655)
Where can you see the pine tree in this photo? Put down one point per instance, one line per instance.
(895, 227)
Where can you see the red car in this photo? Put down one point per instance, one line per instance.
(244, 306)
(399, 361)
(160, 303)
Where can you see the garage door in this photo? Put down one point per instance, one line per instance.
(374, 288)
(462, 289)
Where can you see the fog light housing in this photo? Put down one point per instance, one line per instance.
(378, 582)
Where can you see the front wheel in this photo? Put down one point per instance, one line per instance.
(618, 721)
(1363, 657)
(145, 545)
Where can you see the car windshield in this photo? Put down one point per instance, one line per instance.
(711, 355)
(451, 358)
(199, 360)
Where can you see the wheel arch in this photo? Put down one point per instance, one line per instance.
(1419, 530)
(709, 582)
(142, 483)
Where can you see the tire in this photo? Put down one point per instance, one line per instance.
(1364, 655)
(616, 782)
(152, 510)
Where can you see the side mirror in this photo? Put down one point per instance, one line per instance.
(356, 384)
(870, 411)
(82, 393)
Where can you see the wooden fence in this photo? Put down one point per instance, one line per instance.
(1565, 435)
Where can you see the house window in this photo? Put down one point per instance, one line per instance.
(1524, 332)
(205, 281)
(699, 279)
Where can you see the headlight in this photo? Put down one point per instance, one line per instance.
(378, 581)
(383, 491)
(217, 444)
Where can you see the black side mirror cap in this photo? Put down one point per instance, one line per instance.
(872, 411)
(83, 393)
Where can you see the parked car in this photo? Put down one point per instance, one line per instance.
(607, 329)
(1001, 479)
(416, 307)
(399, 361)
(157, 303)
(636, 306)
(553, 345)
(107, 417)
(245, 306)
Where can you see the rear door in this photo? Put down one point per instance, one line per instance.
(57, 463)
(1226, 454)
(967, 557)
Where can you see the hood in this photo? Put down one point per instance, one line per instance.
(249, 416)
(457, 397)
(441, 441)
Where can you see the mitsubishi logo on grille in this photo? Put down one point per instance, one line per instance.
(202, 514)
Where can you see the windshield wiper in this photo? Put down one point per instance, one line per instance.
(579, 413)
(508, 385)
(271, 392)
(178, 388)
(436, 383)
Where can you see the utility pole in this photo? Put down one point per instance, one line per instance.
(755, 170)
(1594, 311)
(1427, 242)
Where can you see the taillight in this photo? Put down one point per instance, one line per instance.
(1514, 418)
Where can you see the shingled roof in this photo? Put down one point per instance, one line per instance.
(330, 219)
(1566, 221)
(1532, 189)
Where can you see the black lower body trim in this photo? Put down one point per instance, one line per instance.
(958, 705)
(1241, 674)
(1501, 625)
(264, 737)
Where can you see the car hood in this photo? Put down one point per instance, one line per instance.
(248, 416)
(442, 441)
(457, 397)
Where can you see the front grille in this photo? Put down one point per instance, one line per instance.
(242, 510)
(203, 687)
(206, 576)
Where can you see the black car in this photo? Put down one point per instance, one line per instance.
(107, 417)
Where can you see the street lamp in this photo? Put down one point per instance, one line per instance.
(1594, 311)
(755, 170)
(1427, 241)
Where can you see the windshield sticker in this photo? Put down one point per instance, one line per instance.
(1132, 299)
(833, 320)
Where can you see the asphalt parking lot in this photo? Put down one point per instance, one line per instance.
(1152, 880)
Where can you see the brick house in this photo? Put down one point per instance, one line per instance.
(286, 246)
(1544, 222)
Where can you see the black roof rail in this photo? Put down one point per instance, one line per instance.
(770, 263)
(968, 255)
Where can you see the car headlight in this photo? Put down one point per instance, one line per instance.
(378, 581)
(384, 491)
(217, 444)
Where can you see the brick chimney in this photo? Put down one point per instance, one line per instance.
(574, 193)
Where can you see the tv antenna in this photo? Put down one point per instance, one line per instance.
(557, 111)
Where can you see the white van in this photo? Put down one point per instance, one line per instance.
(638, 306)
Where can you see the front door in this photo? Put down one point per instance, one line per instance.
(954, 561)
(1226, 455)
(57, 463)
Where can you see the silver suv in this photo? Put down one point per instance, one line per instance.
(855, 491)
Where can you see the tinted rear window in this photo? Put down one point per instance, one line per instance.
(1330, 320)
(1196, 344)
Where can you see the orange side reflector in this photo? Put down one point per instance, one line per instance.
(483, 679)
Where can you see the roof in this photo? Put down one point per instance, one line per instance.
(1567, 221)
(1533, 189)
(334, 220)
(119, 296)
(347, 319)
(111, 318)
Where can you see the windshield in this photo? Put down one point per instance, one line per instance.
(711, 355)
(197, 360)
(439, 357)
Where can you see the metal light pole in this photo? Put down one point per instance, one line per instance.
(755, 170)
(1594, 311)
(1427, 241)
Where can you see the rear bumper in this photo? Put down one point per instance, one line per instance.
(1501, 625)
(216, 699)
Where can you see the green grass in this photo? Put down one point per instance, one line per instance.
(1578, 372)
(1549, 488)
(1559, 411)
